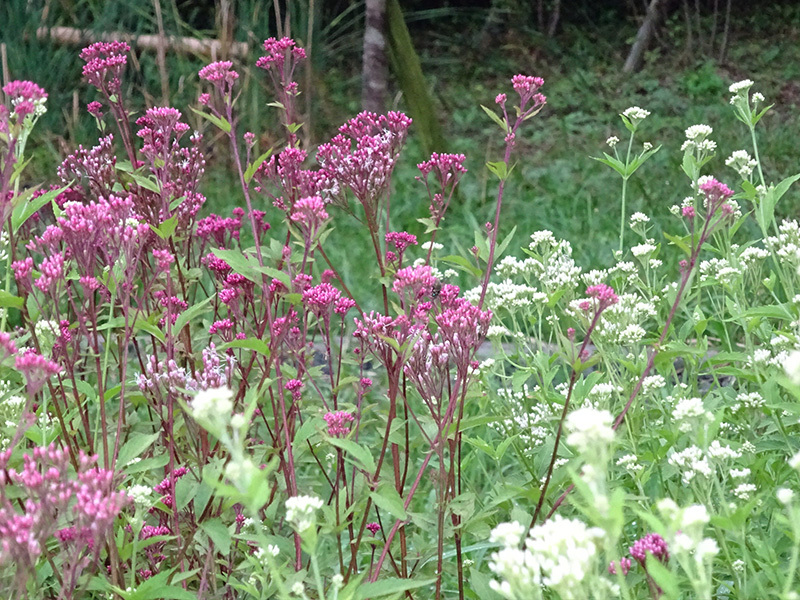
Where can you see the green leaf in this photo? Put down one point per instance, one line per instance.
(156, 588)
(166, 228)
(218, 532)
(663, 578)
(500, 169)
(189, 314)
(680, 242)
(462, 263)
(135, 446)
(388, 586)
(253, 344)
(146, 183)
(356, 451)
(757, 117)
(501, 247)
(494, 117)
(25, 209)
(251, 170)
(8, 300)
(612, 162)
(386, 498)
(218, 121)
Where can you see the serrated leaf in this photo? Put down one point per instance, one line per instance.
(612, 162)
(218, 121)
(386, 498)
(166, 228)
(8, 300)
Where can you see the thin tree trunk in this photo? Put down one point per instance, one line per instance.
(688, 18)
(555, 16)
(373, 76)
(643, 37)
(723, 51)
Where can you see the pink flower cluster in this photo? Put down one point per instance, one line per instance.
(362, 157)
(105, 62)
(716, 196)
(79, 509)
(221, 75)
(338, 423)
(603, 294)
(414, 282)
(24, 97)
(281, 59)
(528, 87)
(652, 543)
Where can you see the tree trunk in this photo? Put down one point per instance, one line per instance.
(644, 37)
(373, 76)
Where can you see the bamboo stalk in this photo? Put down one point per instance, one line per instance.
(204, 47)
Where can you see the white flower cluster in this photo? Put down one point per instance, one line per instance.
(638, 219)
(697, 139)
(750, 255)
(530, 423)
(213, 405)
(630, 463)
(300, 511)
(560, 554)
(653, 383)
(740, 89)
(690, 463)
(687, 410)
(635, 114)
(141, 495)
(590, 430)
(512, 296)
(602, 393)
(644, 250)
(752, 400)
(719, 271)
(741, 162)
(621, 323)
(786, 244)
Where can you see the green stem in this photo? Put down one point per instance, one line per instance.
(624, 194)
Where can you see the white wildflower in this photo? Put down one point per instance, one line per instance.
(743, 491)
(300, 511)
(744, 84)
(635, 114)
(508, 534)
(612, 141)
(785, 496)
(212, 405)
(590, 429)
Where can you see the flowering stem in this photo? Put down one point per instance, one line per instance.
(493, 243)
(573, 378)
(624, 196)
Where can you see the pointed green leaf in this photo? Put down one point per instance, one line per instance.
(218, 121)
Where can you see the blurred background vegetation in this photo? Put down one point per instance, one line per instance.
(468, 50)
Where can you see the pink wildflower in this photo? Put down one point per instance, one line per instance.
(338, 423)
(604, 294)
(653, 544)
